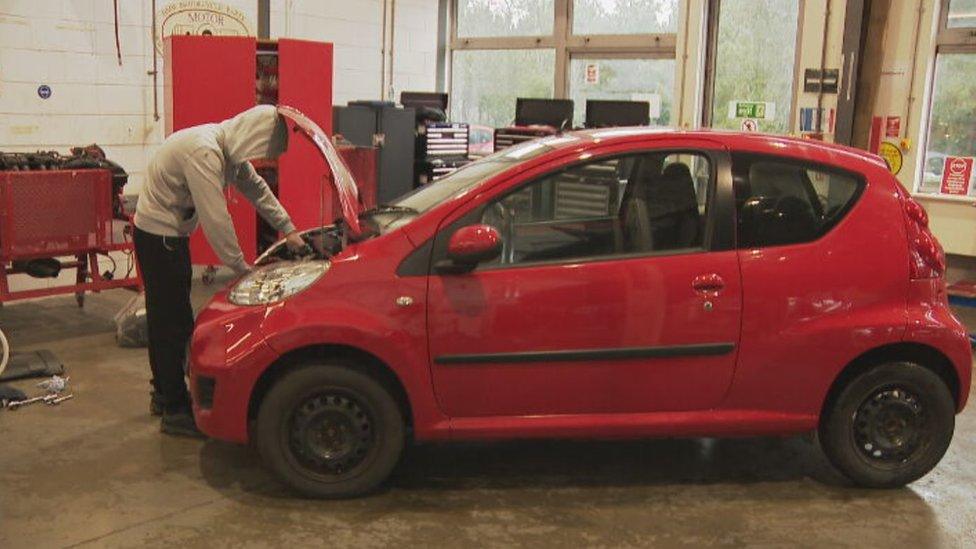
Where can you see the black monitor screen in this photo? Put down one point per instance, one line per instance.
(605, 114)
(424, 99)
(557, 113)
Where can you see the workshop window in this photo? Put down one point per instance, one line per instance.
(962, 14)
(952, 134)
(947, 169)
(627, 79)
(505, 49)
(753, 59)
(625, 16)
(486, 83)
(504, 18)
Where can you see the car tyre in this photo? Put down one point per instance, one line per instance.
(330, 431)
(889, 426)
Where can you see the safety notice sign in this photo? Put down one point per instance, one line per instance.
(592, 73)
(893, 126)
(892, 156)
(956, 175)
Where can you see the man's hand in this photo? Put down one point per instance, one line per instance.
(295, 242)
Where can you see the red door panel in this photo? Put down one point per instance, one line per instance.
(305, 83)
(200, 91)
(633, 304)
(809, 309)
(617, 334)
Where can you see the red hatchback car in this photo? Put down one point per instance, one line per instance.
(602, 284)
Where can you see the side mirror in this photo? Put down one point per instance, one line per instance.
(469, 246)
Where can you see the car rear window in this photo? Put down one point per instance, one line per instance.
(781, 201)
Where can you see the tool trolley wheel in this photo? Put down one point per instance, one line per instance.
(888, 426)
(330, 431)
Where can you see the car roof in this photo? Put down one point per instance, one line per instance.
(736, 141)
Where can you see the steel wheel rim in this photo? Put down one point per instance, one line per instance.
(890, 427)
(330, 435)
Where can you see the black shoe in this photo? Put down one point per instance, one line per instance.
(155, 405)
(180, 424)
(155, 402)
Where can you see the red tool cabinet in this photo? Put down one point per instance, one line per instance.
(211, 78)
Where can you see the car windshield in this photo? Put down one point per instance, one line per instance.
(387, 217)
(424, 198)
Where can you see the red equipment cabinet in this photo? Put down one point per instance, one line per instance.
(56, 213)
(209, 79)
(297, 73)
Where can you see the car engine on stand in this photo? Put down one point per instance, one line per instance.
(89, 157)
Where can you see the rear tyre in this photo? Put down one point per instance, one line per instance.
(329, 431)
(889, 426)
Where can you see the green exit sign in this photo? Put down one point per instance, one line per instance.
(760, 110)
(750, 110)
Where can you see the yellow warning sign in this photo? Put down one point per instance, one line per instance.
(892, 156)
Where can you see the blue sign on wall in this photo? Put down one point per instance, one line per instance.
(44, 91)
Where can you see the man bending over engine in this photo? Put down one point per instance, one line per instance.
(185, 184)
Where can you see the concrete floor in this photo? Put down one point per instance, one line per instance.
(96, 472)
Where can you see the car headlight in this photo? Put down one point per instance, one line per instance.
(276, 282)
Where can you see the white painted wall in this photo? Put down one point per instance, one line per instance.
(70, 46)
(356, 30)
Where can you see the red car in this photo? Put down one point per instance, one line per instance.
(611, 283)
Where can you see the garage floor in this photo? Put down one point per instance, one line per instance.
(95, 471)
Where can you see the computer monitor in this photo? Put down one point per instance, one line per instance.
(557, 113)
(605, 113)
(424, 99)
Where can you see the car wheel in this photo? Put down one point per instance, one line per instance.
(889, 425)
(329, 431)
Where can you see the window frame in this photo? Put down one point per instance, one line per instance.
(567, 44)
(961, 40)
(713, 9)
(964, 36)
(860, 179)
(711, 240)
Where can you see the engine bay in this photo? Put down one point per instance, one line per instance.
(320, 243)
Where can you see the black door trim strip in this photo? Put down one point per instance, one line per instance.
(669, 351)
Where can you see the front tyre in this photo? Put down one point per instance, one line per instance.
(889, 426)
(329, 431)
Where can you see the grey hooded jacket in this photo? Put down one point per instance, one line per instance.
(187, 177)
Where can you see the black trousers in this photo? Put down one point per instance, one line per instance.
(167, 274)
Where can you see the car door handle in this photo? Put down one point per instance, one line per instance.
(708, 284)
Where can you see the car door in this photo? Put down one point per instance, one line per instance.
(617, 290)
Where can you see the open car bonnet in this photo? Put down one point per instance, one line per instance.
(342, 180)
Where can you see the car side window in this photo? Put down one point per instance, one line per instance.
(781, 201)
(638, 203)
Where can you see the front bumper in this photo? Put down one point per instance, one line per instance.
(228, 354)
